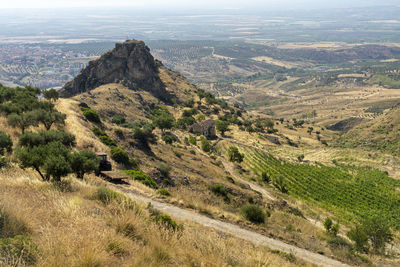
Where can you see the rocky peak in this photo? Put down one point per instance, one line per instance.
(129, 63)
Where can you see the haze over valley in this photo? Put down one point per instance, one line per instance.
(215, 133)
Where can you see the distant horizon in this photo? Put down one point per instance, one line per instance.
(180, 5)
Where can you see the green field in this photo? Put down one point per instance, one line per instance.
(349, 192)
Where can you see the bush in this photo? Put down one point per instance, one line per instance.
(169, 138)
(120, 155)
(107, 196)
(331, 228)
(360, 239)
(178, 154)
(142, 177)
(144, 135)
(205, 144)
(105, 139)
(164, 192)
(279, 183)
(11, 226)
(98, 132)
(265, 177)
(164, 219)
(192, 140)
(91, 115)
(253, 213)
(164, 120)
(119, 133)
(184, 122)
(167, 221)
(374, 229)
(14, 249)
(164, 169)
(234, 155)
(5, 143)
(119, 119)
(219, 189)
(3, 162)
(338, 242)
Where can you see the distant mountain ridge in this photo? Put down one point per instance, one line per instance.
(130, 64)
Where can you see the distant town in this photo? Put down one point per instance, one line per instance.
(43, 65)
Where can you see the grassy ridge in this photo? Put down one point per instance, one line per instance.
(350, 192)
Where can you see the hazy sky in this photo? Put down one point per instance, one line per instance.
(193, 4)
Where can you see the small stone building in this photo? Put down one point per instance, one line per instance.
(206, 128)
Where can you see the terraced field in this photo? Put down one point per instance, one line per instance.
(349, 192)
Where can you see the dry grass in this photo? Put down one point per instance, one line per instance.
(71, 229)
(79, 126)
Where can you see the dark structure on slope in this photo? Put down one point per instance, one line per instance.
(129, 63)
(206, 128)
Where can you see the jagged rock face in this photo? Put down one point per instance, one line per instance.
(129, 63)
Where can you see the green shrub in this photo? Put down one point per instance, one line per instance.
(234, 155)
(253, 213)
(338, 242)
(192, 140)
(219, 189)
(164, 192)
(169, 138)
(107, 196)
(184, 122)
(5, 143)
(178, 154)
(117, 248)
(11, 226)
(280, 184)
(331, 228)
(120, 155)
(200, 117)
(167, 221)
(119, 133)
(288, 256)
(164, 169)
(142, 177)
(3, 162)
(119, 119)
(189, 112)
(144, 135)
(265, 177)
(98, 132)
(91, 115)
(107, 140)
(205, 144)
(17, 248)
(360, 238)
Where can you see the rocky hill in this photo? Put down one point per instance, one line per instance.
(130, 64)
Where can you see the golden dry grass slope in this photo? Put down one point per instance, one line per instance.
(74, 229)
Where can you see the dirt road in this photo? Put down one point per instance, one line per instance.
(234, 230)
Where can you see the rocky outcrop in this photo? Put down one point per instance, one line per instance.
(129, 63)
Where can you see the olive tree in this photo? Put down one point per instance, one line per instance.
(83, 162)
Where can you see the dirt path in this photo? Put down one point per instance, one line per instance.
(234, 230)
(229, 167)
